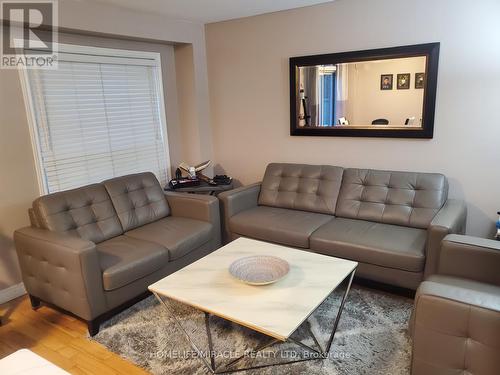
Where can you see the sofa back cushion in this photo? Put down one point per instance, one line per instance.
(402, 198)
(313, 188)
(138, 199)
(86, 212)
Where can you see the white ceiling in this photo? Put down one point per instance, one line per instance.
(207, 11)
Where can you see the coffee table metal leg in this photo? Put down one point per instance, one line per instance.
(211, 352)
(316, 342)
(339, 313)
(211, 366)
(230, 371)
(179, 325)
(256, 350)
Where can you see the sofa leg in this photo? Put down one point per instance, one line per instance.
(93, 327)
(35, 302)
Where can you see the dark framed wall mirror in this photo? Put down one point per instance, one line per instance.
(388, 92)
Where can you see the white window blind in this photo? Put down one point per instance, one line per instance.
(98, 116)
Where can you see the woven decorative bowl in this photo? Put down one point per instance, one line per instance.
(259, 270)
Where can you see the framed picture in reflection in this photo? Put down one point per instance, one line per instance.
(386, 81)
(404, 81)
(419, 80)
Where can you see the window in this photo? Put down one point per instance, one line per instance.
(99, 115)
(327, 95)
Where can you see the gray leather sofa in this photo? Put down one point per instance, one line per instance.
(392, 223)
(94, 250)
(456, 320)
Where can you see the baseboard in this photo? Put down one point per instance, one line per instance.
(12, 292)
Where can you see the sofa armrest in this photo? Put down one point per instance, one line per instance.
(198, 207)
(451, 218)
(241, 199)
(236, 201)
(61, 269)
(194, 206)
(470, 258)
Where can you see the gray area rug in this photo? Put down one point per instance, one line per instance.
(371, 338)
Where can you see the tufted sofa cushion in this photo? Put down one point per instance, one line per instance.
(380, 244)
(124, 260)
(280, 225)
(86, 212)
(303, 187)
(138, 199)
(401, 198)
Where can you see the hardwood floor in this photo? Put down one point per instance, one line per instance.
(59, 338)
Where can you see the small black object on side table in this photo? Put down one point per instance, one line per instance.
(203, 187)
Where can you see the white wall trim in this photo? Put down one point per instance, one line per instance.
(31, 117)
(12, 292)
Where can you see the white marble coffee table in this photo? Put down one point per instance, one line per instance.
(276, 310)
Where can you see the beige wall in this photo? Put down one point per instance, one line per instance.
(366, 102)
(190, 134)
(249, 91)
(114, 28)
(18, 185)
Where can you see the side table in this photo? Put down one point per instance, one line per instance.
(204, 187)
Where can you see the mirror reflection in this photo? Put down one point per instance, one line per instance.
(386, 93)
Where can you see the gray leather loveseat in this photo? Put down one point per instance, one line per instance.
(94, 250)
(392, 223)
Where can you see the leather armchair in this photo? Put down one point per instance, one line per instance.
(456, 320)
